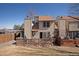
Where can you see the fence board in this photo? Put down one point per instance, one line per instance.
(6, 37)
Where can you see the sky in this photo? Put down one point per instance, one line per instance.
(11, 14)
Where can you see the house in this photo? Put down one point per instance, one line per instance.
(43, 27)
(69, 27)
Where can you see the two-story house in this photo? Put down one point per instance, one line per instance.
(43, 27)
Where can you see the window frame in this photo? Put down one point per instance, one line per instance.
(46, 24)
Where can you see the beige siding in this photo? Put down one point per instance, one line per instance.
(62, 28)
(46, 30)
(28, 29)
(51, 29)
(37, 35)
(73, 26)
(41, 25)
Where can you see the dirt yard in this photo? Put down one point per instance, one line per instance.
(13, 50)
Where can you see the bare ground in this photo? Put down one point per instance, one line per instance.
(13, 50)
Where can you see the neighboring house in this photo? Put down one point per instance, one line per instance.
(68, 27)
(43, 27)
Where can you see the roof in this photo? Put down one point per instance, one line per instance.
(69, 17)
(44, 18)
(75, 17)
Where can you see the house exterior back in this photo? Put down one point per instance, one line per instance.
(43, 27)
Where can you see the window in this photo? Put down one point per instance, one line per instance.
(46, 24)
(78, 24)
(73, 35)
(44, 34)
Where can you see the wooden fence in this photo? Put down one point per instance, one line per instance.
(6, 37)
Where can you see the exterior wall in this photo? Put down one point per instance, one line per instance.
(37, 35)
(73, 26)
(41, 26)
(45, 34)
(68, 29)
(73, 29)
(62, 28)
(28, 29)
(45, 30)
(51, 29)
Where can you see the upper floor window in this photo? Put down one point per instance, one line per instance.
(46, 24)
(78, 24)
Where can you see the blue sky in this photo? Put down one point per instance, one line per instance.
(11, 14)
